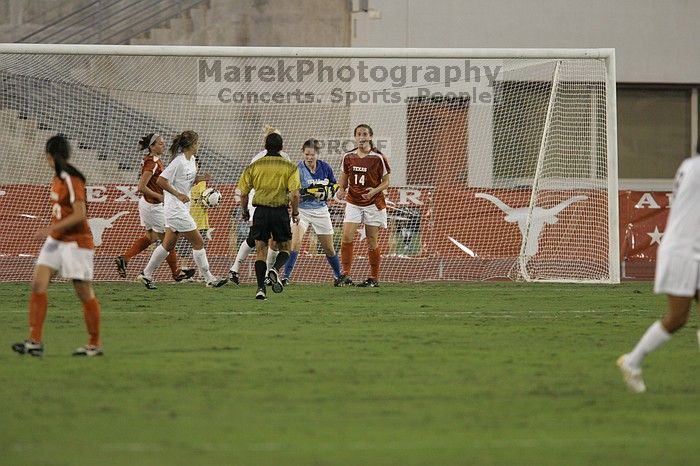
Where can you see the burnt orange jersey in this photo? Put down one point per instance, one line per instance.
(155, 166)
(65, 191)
(365, 172)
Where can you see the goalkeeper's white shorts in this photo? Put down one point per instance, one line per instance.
(152, 216)
(319, 219)
(367, 215)
(676, 274)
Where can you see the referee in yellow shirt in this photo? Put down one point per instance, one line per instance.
(276, 183)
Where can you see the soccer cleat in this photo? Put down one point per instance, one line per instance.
(261, 294)
(343, 280)
(285, 281)
(147, 282)
(267, 281)
(121, 266)
(88, 350)
(275, 282)
(233, 277)
(633, 377)
(185, 274)
(369, 283)
(217, 282)
(29, 347)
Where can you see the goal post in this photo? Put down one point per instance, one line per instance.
(503, 161)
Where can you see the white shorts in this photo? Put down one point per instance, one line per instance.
(368, 215)
(181, 222)
(319, 219)
(677, 274)
(152, 216)
(67, 259)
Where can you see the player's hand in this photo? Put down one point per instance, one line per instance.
(184, 198)
(368, 194)
(42, 233)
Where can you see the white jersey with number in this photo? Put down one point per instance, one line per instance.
(181, 174)
(678, 257)
(682, 233)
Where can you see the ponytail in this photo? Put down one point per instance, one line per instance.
(182, 141)
(59, 148)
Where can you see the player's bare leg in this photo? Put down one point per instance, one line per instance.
(656, 335)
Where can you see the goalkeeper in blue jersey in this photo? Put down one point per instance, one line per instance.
(318, 186)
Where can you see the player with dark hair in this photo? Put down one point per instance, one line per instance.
(176, 181)
(68, 250)
(363, 179)
(247, 247)
(677, 271)
(151, 208)
(318, 186)
(276, 183)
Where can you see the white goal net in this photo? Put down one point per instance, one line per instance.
(503, 162)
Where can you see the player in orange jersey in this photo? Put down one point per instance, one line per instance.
(151, 208)
(364, 177)
(68, 250)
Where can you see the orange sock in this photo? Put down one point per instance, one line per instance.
(375, 258)
(346, 257)
(139, 245)
(38, 304)
(91, 312)
(172, 262)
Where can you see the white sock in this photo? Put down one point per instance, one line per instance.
(200, 258)
(655, 336)
(157, 258)
(243, 252)
(271, 258)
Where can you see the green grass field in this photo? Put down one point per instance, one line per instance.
(474, 374)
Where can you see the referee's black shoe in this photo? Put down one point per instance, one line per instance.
(275, 282)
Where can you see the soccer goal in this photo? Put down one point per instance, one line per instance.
(503, 162)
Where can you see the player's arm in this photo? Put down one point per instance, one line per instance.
(143, 186)
(78, 215)
(165, 184)
(245, 213)
(294, 201)
(202, 177)
(371, 192)
(342, 185)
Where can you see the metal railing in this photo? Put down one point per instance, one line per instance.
(109, 21)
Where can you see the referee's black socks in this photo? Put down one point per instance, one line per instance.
(260, 271)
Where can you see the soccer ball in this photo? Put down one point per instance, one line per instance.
(211, 198)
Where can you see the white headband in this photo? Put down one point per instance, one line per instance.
(150, 143)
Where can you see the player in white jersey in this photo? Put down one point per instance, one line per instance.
(247, 247)
(177, 181)
(677, 270)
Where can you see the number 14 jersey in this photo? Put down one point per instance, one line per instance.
(363, 173)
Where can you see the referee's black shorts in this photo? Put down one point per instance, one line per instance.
(271, 222)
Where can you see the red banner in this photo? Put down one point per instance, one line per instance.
(447, 233)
